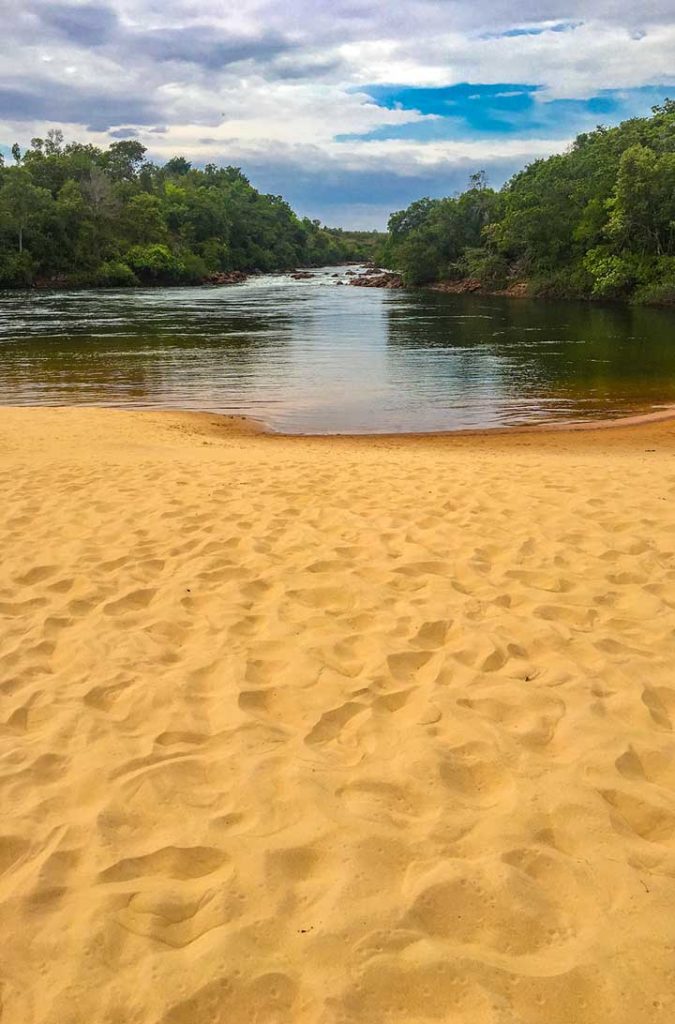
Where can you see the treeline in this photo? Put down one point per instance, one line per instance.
(595, 222)
(79, 215)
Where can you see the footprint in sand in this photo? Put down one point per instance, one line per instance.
(381, 801)
(637, 815)
(405, 666)
(169, 861)
(176, 919)
(656, 766)
(660, 702)
(431, 635)
(36, 575)
(134, 601)
(473, 771)
(331, 723)
(497, 906)
(13, 849)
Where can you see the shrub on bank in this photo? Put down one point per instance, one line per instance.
(658, 293)
(194, 268)
(115, 274)
(155, 264)
(567, 283)
(17, 270)
(490, 268)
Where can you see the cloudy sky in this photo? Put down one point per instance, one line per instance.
(349, 108)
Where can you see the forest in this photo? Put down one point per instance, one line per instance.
(77, 215)
(597, 221)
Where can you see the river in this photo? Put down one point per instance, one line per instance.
(312, 357)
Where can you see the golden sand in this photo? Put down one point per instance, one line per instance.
(335, 731)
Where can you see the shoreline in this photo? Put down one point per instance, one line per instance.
(563, 427)
(246, 425)
(217, 279)
(517, 291)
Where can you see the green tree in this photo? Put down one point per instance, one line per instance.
(22, 204)
(123, 159)
(643, 204)
(53, 144)
(144, 219)
(109, 217)
(597, 221)
(177, 166)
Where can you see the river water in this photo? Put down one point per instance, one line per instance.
(312, 357)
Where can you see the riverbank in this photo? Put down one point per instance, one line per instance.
(525, 290)
(216, 279)
(472, 286)
(370, 277)
(335, 729)
(518, 289)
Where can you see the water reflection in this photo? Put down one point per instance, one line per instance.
(311, 357)
(505, 362)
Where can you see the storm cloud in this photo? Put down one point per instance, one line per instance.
(86, 25)
(63, 103)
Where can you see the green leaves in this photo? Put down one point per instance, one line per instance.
(596, 221)
(22, 203)
(155, 264)
(109, 217)
(429, 239)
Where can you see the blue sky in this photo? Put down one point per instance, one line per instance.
(513, 109)
(349, 109)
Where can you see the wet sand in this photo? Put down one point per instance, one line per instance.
(337, 730)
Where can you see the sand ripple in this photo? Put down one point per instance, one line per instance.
(340, 732)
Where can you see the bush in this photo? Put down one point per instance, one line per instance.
(616, 276)
(567, 283)
(114, 273)
(417, 261)
(657, 293)
(155, 264)
(490, 268)
(194, 268)
(216, 255)
(17, 270)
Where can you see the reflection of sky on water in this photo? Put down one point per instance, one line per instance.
(311, 357)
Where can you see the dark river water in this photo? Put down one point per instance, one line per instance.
(311, 357)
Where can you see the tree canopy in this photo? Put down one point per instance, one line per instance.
(597, 221)
(77, 214)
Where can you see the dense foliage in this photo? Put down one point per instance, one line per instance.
(73, 213)
(597, 221)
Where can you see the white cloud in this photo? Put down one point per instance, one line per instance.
(396, 155)
(575, 64)
(266, 80)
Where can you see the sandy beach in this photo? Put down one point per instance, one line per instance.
(337, 731)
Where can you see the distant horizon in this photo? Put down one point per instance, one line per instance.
(351, 113)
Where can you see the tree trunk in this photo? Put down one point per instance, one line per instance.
(21, 239)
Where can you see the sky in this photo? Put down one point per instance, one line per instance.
(350, 109)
